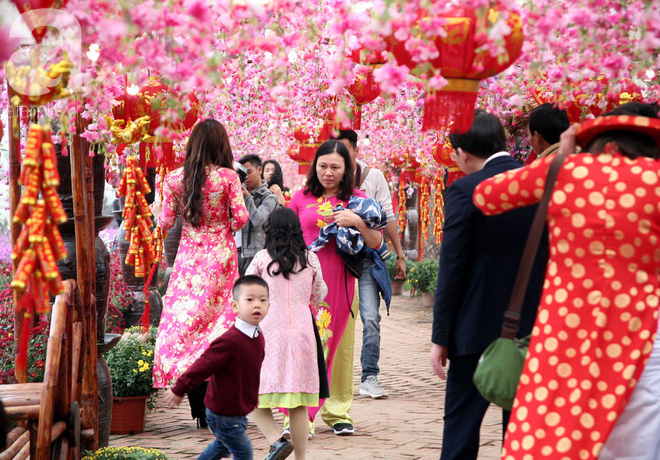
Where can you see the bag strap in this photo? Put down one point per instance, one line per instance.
(512, 315)
(364, 175)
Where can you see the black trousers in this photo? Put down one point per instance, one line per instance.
(196, 400)
(464, 411)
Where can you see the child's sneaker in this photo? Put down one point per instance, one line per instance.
(280, 450)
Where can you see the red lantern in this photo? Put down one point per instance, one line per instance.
(304, 151)
(442, 155)
(150, 101)
(364, 90)
(303, 155)
(459, 63)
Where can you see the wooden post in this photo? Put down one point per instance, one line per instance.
(14, 134)
(83, 208)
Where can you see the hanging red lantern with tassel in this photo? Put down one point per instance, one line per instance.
(459, 60)
(442, 155)
(364, 90)
(303, 152)
(151, 101)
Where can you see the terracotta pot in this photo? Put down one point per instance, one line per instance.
(128, 414)
(397, 287)
(428, 299)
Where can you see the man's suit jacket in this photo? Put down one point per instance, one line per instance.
(479, 261)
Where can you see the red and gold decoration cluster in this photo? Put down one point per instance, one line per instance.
(39, 245)
(142, 252)
(460, 59)
(441, 152)
(364, 89)
(424, 212)
(586, 104)
(439, 208)
(137, 116)
(306, 145)
(410, 172)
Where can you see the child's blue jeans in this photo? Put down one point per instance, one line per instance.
(230, 437)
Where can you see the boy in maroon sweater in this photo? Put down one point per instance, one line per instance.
(233, 362)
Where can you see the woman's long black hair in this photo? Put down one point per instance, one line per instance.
(277, 178)
(208, 145)
(314, 185)
(285, 243)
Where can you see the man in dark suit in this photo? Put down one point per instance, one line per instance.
(479, 260)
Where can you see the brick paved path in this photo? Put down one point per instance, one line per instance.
(407, 425)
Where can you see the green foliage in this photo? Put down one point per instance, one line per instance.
(125, 453)
(424, 276)
(131, 362)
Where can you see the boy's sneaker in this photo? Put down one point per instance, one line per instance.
(371, 387)
(343, 429)
(286, 433)
(280, 450)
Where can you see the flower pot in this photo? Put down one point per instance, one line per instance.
(397, 287)
(128, 414)
(428, 299)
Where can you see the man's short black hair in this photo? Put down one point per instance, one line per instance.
(254, 160)
(549, 121)
(348, 134)
(485, 138)
(247, 280)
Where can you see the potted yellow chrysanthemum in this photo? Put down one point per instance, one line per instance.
(130, 363)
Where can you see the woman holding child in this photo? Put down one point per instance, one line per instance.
(330, 183)
(207, 193)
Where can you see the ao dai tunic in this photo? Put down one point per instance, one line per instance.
(598, 316)
(196, 306)
(290, 364)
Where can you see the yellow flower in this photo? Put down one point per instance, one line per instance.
(324, 318)
(135, 371)
(140, 362)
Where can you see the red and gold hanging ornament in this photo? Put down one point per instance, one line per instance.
(439, 208)
(424, 212)
(39, 245)
(409, 167)
(151, 102)
(33, 84)
(441, 152)
(32, 18)
(588, 103)
(137, 116)
(307, 144)
(137, 218)
(364, 90)
(461, 59)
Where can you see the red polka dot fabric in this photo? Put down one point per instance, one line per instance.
(598, 316)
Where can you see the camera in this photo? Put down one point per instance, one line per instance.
(241, 171)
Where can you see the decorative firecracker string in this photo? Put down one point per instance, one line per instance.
(424, 204)
(142, 252)
(39, 245)
(439, 208)
(402, 206)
